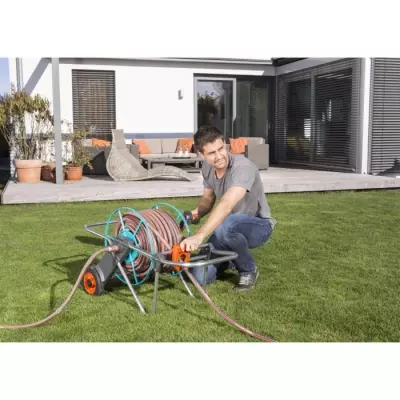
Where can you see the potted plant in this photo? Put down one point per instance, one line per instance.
(26, 123)
(80, 156)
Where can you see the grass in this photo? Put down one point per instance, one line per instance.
(330, 273)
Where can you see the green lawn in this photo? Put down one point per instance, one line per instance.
(331, 272)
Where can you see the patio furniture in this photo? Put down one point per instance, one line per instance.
(99, 156)
(191, 163)
(123, 166)
(255, 150)
(149, 149)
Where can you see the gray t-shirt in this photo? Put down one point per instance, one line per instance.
(240, 172)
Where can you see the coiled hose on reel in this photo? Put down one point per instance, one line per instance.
(155, 231)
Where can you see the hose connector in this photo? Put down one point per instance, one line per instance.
(113, 249)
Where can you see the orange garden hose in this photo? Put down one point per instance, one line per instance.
(223, 315)
(178, 254)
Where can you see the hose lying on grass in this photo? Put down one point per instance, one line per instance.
(108, 249)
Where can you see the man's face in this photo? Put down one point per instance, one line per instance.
(216, 154)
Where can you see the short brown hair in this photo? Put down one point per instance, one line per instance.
(206, 134)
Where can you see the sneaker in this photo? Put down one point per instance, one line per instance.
(246, 281)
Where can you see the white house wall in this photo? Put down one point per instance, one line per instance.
(147, 101)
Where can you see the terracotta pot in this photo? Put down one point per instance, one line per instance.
(28, 171)
(74, 173)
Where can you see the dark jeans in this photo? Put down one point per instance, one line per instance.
(238, 233)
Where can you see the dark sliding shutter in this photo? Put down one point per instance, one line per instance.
(318, 116)
(384, 114)
(93, 97)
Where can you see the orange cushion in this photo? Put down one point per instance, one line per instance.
(100, 143)
(188, 142)
(238, 145)
(143, 146)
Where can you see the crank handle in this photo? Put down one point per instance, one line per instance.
(181, 259)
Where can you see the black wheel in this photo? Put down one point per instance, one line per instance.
(91, 283)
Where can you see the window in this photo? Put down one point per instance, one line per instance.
(318, 116)
(93, 101)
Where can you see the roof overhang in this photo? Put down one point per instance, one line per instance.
(248, 61)
(228, 61)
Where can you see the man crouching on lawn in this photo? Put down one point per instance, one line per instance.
(241, 220)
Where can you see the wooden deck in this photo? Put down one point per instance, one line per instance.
(276, 180)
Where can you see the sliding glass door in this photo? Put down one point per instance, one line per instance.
(216, 104)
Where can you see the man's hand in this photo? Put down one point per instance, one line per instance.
(192, 243)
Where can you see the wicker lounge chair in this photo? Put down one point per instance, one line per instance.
(123, 166)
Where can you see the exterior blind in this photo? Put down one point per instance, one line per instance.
(384, 115)
(93, 96)
(318, 116)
